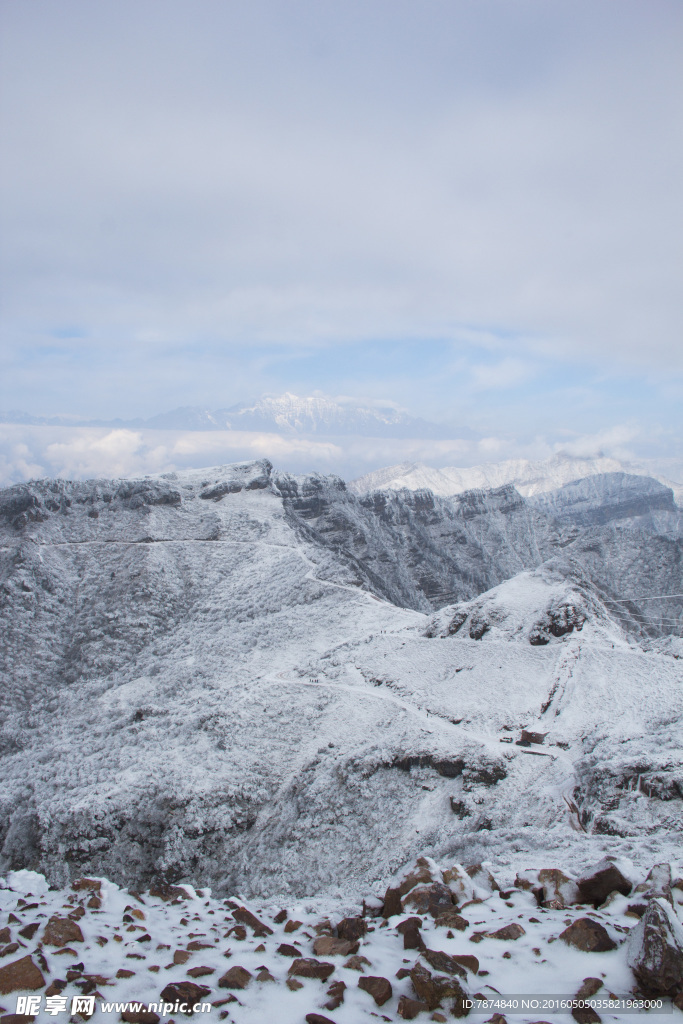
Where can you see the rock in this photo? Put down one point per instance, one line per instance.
(433, 989)
(605, 878)
(378, 988)
(20, 975)
(352, 928)
(309, 967)
(336, 994)
(409, 1008)
(327, 945)
(264, 975)
(656, 885)
(30, 930)
(424, 872)
(5, 936)
(185, 992)
(317, 1018)
(181, 956)
(169, 893)
(482, 877)
(201, 972)
(392, 903)
(588, 935)
(655, 951)
(143, 1016)
(293, 984)
(244, 916)
(280, 917)
(459, 882)
(429, 899)
(559, 890)
(60, 931)
(235, 977)
(357, 963)
(121, 973)
(527, 738)
(284, 949)
(497, 1018)
(86, 885)
(410, 930)
(452, 919)
(8, 950)
(238, 932)
(586, 1014)
(467, 961)
(196, 945)
(292, 926)
(508, 934)
(444, 963)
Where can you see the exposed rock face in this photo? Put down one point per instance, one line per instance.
(588, 935)
(655, 950)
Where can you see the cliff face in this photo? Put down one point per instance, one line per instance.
(238, 677)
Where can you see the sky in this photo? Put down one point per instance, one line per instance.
(471, 209)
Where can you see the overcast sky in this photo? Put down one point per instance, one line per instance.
(470, 208)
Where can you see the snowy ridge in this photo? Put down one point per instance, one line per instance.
(529, 478)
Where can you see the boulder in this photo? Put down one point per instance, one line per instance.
(60, 931)
(429, 899)
(410, 930)
(656, 885)
(336, 995)
(460, 883)
(434, 988)
(444, 963)
(597, 884)
(408, 1008)
(424, 872)
(378, 988)
(655, 951)
(392, 903)
(244, 916)
(559, 890)
(327, 945)
(352, 928)
(309, 967)
(20, 975)
(184, 992)
(235, 977)
(588, 935)
(508, 933)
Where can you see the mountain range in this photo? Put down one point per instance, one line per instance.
(244, 678)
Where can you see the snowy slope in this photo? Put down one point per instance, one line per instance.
(201, 682)
(529, 478)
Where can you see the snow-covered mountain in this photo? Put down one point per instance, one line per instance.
(526, 476)
(245, 678)
(281, 414)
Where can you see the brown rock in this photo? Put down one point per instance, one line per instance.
(497, 1018)
(245, 916)
(59, 931)
(196, 945)
(421, 874)
(444, 963)
(56, 987)
(286, 950)
(356, 963)
(559, 890)
(280, 917)
(392, 903)
(8, 950)
(317, 1018)
(185, 992)
(459, 882)
(434, 988)
(293, 984)
(181, 956)
(588, 935)
(16, 1018)
(140, 1016)
(410, 930)
(169, 893)
(201, 972)
(235, 977)
(657, 884)
(124, 973)
(86, 885)
(264, 975)
(378, 988)
(29, 931)
(5, 936)
(238, 932)
(352, 928)
(655, 951)
(336, 995)
(466, 960)
(586, 1014)
(292, 926)
(429, 899)
(309, 967)
(19, 975)
(439, 1017)
(452, 919)
(327, 945)
(508, 934)
(605, 878)
(409, 1008)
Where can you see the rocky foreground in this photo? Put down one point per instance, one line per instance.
(442, 942)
